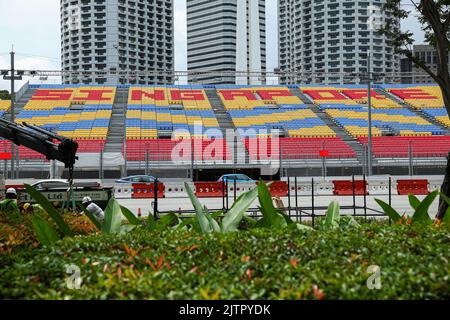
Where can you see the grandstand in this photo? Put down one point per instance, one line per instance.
(313, 122)
(346, 97)
(4, 106)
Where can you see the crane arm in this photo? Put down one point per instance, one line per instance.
(41, 141)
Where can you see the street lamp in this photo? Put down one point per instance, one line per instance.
(12, 77)
(369, 104)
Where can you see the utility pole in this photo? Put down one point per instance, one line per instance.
(13, 98)
(12, 77)
(369, 102)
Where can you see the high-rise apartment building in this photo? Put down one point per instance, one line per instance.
(226, 37)
(428, 54)
(101, 39)
(327, 41)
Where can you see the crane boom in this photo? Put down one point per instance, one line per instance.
(41, 141)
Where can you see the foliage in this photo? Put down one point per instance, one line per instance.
(255, 264)
(420, 208)
(44, 231)
(114, 214)
(50, 209)
(272, 217)
(4, 95)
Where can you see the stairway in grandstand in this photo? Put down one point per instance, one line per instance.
(409, 107)
(18, 106)
(341, 133)
(115, 137)
(238, 149)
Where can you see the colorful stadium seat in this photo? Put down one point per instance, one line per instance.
(440, 115)
(401, 122)
(178, 149)
(184, 112)
(395, 147)
(78, 112)
(187, 97)
(349, 97)
(160, 119)
(247, 97)
(418, 96)
(4, 106)
(296, 123)
(297, 148)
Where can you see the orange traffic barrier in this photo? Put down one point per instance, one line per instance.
(415, 187)
(209, 189)
(345, 188)
(146, 190)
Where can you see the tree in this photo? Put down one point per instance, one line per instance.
(4, 95)
(434, 16)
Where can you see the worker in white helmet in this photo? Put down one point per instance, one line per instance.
(94, 209)
(10, 203)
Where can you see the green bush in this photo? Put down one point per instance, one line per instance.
(255, 264)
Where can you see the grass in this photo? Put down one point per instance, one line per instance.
(253, 264)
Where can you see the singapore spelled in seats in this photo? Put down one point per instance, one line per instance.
(297, 148)
(182, 112)
(149, 122)
(78, 112)
(402, 122)
(418, 96)
(346, 97)
(395, 147)
(185, 97)
(293, 122)
(248, 97)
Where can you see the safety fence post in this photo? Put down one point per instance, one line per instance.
(289, 195)
(312, 201)
(354, 196)
(223, 195)
(365, 198)
(155, 202)
(390, 196)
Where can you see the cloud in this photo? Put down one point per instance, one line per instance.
(32, 26)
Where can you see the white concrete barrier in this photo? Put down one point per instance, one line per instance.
(123, 191)
(176, 189)
(381, 187)
(435, 183)
(323, 187)
(303, 188)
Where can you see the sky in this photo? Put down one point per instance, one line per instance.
(33, 27)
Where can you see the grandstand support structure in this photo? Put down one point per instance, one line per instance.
(116, 132)
(240, 154)
(341, 133)
(409, 107)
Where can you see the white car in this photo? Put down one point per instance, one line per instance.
(51, 184)
(61, 184)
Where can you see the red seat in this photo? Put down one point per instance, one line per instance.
(168, 150)
(297, 148)
(84, 146)
(398, 147)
